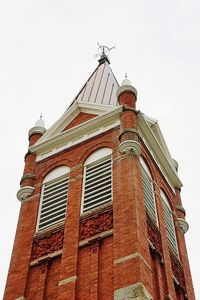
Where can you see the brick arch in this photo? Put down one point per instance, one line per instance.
(95, 147)
(52, 166)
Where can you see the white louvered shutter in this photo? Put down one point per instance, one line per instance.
(54, 199)
(171, 235)
(98, 183)
(148, 191)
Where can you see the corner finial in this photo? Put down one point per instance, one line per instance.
(126, 85)
(126, 81)
(39, 127)
(40, 122)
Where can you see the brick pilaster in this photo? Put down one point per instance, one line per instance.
(68, 274)
(130, 244)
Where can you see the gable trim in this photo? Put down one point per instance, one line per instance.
(77, 134)
(70, 114)
(163, 162)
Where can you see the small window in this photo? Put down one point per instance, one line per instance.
(53, 201)
(171, 235)
(148, 191)
(97, 179)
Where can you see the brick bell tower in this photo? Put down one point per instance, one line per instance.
(101, 215)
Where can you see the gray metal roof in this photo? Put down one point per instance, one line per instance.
(101, 87)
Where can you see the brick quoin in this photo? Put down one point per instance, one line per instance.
(114, 251)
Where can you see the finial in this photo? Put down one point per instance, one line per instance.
(40, 122)
(126, 81)
(103, 52)
(39, 127)
(126, 85)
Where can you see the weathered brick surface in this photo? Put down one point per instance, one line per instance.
(18, 271)
(43, 280)
(127, 99)
(95, 271)
(51, 290)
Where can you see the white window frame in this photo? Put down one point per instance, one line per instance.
(53, 176)
(144, 165)
(171, 235)
(96, 157)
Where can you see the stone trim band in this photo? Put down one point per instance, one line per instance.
(131, 256)
(67, 280)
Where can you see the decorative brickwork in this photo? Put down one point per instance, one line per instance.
(154, 236)
(96, 224)
(178, 272)
(48, 244)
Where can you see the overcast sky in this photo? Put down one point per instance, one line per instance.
(47, 51)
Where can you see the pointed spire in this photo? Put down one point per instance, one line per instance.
(100, 88)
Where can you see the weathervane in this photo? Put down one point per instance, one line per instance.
(103, 52)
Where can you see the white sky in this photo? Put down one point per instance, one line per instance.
(46, 54)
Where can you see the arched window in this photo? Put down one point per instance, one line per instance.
(53, 201)
(148, 191)
(97, 188)
(169, 222)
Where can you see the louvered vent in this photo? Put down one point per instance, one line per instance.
(98, 184)
(149, 195)
(171, 235)
(54, 199)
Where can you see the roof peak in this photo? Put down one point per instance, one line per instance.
(101, 87)
(103, 58)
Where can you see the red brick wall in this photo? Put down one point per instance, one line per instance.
(113, 262)
(88, 278)
(81, 118)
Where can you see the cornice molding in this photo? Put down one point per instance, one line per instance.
(158, 153)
